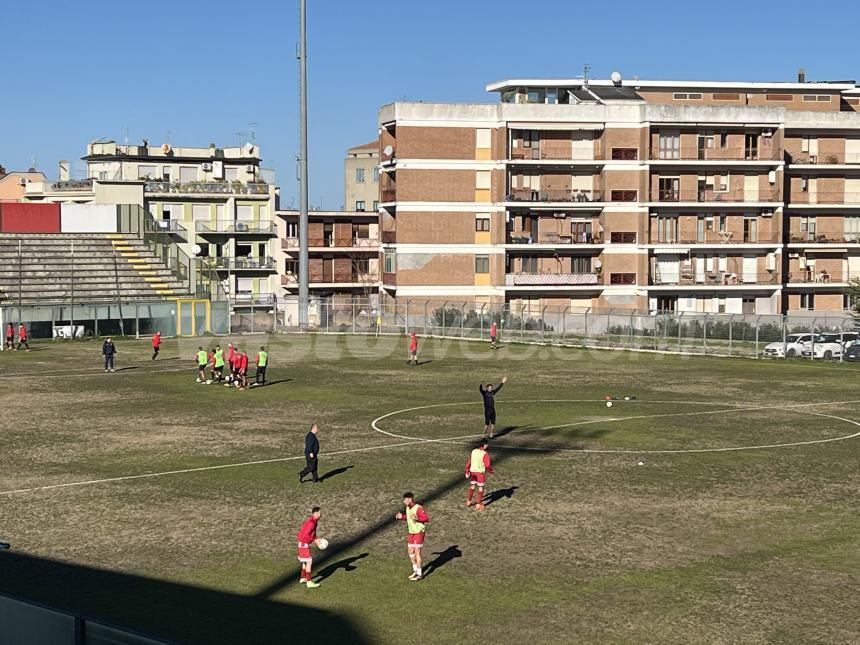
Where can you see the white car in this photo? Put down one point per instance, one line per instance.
(830, 345)
(793, 346)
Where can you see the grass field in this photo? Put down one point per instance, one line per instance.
(580, 543)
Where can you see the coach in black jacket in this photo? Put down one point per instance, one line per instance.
(312, 455)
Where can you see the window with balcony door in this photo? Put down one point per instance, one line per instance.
(580, 265)
(147, 172)
(291, 229)
(669, 145)
(750, 229)
(187, 174)
(359, 175)
(581, 232)
(851, 228)
(807, 228)
(359, 206)
(705, 225)
(165, 173)
(669, 189)
(291, 267)
(389, 263)
(361, 267)
(529, 265)
(231, 174)
(667, 230)
(807, 301)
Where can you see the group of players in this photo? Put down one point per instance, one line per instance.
(9, 342)
(234, 361)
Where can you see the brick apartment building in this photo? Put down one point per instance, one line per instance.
(735, 197)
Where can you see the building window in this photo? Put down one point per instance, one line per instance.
(231, 174)
(482, 223)
(165, 173)
(375, 174)
(807, 301)
(482, 179)
(200, 212)
(245, 213)
(483, 137)
(529, 265)
(291, 267)
(375, 205)
(482, 264)
(292, 229)
(687, 96)
(819, 98)
(669, 145)
(187, 174)
(389, 263)
(359, 175)
(852, 228)
(147, 172)
(359, 206)
(580, 265)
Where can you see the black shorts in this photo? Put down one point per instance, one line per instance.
(489, 417)
(202, 367)
(10, 339)
(218, 369)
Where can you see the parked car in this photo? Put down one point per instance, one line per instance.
(831, 345)
(852, 351)
(793, 346)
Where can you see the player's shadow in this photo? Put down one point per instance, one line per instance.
(335, 472)
(277, 382)
(127, 368)
(509, 429)
(427, 362)
(496, 495)
(442, 558)
(347, 564)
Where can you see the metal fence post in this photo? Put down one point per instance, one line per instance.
(585, 322)
(563, 323)
(483, 306)
(522, 322)
(656, 322)
(784, 344)
(462, 319)
(680, 318)
(757, 325)
(705, 333)
(353, 315)
(426, 302)
(731, 322)
(631, 330)
(406, 313)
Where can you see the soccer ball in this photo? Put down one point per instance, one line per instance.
(198, 380)
(209, 382)
(609, 404)
(322, 543)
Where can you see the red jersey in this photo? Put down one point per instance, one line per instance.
(10, 331)
(243, 362)
(22, 331)
(413, 343)
(156, 340)
(234, 361)
(493, 329)
(488, 467)
(230, 354)
(308, 532)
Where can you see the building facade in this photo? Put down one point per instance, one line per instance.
(343, 253)
(646, 195)
(361, 178)
(13, 184)
(216, 203)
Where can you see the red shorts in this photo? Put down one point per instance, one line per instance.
(415, 540)
(478, 478)
(304, 552)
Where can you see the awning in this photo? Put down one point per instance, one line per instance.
(529, 125)
(675, 250)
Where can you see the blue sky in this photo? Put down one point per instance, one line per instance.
(202, 71)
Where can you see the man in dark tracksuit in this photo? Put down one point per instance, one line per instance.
(108, 351)
(489, 395)
(312, 455)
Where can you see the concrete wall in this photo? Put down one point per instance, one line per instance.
(88, 218)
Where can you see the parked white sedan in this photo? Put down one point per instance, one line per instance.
(793, 346)
(830, 345)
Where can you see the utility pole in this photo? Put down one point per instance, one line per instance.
(304, 288)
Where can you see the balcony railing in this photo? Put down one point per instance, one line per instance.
(821, 276)
(717, 237)
(825, 198)
(576, 196)
(242, 264)
(389, 278)
(556, 238)
(825, 159)
(369, 243)
(718, 278)
(710, 196)
(207, 187)
(289, 280)
(248, 299)
(551, 279)
(525, 154)
(802, 237)
(73, 184)
(716, 154)
(171, 225)
(235, 226)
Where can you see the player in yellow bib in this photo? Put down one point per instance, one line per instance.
(477, 468)
(416, 520)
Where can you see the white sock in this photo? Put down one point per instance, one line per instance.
(418, 570)
(414, 568)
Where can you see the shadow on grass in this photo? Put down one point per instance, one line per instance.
(172, 611)
(127, 368)
(442, 558)
(277, 382)
(335, 472)
(347, 564)
(509, 429)
(501, 493)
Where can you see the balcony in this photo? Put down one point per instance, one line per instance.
(552, 279)
(242, 264)
(821, 277)
(716, 154)
(206, 187)
(534, 154)
(830, 159)
(354, 243)
(249, 299)
(557, 239)
(710, 196)
(73, 185)
(805, 237)
(712, 238)
(389, 195)
(235, 227)
(810, 199)
(575, 196)
(715, 279)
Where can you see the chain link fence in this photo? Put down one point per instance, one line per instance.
(746, 335)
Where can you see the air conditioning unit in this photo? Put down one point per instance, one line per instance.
(23, 181)
(207, 166)
(250, 167)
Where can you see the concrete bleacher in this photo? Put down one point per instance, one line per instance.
(103, 268)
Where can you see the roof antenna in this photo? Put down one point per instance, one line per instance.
(585, 69)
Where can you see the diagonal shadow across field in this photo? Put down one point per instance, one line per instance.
(336, 550)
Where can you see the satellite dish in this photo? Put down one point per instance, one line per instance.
(598, 264)
(196, 249)
(165, 148)
(388, 150)
(615, 77)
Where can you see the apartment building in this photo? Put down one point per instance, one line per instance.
(735, 197)
(217, 203)
(13, 183)
(343, 253)
(361, 178)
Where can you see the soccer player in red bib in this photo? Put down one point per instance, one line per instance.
(308, 536)
(156, 344)
(22, 337)
(10, 337)
(416, 520)
(477, 468)
(243, 370)
(493, 334)
(413, 348)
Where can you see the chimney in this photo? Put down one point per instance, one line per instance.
(801, 75)
(2, 171)
(64, 170)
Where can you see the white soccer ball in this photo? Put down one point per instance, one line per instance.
(641, 463)
(322, 543)
(609, 404)
(209, 382)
